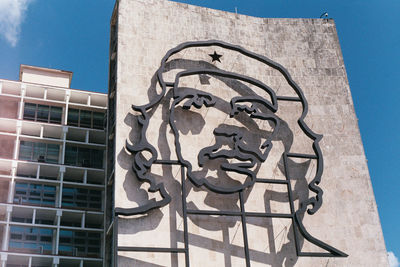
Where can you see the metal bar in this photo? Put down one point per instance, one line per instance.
(288, 98)
(151, 249)
(115, 242)
(287, 175)
(110, 227)
(271, 181)
(269, 215)
(244, 229)
(214, 212)
(333, 251)
(238, 213)
(296, 237)
(303, 156)
(315, 254)
(185, 226)
(165, 161)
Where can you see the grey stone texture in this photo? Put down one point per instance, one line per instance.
(309, 49)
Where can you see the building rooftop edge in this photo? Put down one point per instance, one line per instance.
(23, 66)
(56, 87)
(314, 19)
(186, 5)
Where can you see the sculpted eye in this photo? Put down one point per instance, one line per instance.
(248, 108)
(198, 100)
(251, 105)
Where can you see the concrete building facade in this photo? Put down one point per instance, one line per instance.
(52, 177)
(224, 130)
(224, 140)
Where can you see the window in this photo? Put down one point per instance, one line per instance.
(42, 113)
(29, 220)
(85, 118)
(83, 157)
(29, 111)
(98, 120)
(34, 176)
(17, 219)
(73, 117)
(25, 150)
(74, 243)
(36, 194)
(71, 155)
(82, 198)
(31, 240)
(52, 153)
(55, 115)
(41, 152)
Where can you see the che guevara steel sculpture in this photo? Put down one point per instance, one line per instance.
(241, 158)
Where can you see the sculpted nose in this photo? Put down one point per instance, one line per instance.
(240, 142)
(229, 132)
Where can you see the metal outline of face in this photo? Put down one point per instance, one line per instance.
(141, 166)
(199, 99)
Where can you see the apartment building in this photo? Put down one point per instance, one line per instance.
(52, 171)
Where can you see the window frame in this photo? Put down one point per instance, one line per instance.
(25, 192)
(90, 241)
(77, 158)
(38, 149)
(81, 198)
(94, 118)
(25, 243)
(35, 109)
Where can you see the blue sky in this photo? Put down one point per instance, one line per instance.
(74, 35)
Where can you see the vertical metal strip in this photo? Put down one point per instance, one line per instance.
(289, 186)
(115, 239)
(244, 229)
(185, 226)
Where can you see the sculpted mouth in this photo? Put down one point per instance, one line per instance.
(231, 155)
(227, 160)
(243, 168)
(239, 160)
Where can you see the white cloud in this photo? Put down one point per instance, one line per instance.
(12, 13)
(393, 260)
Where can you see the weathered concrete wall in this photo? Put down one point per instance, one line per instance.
(7, 144)
(309, 49)
(9, 109)
(4, 185)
